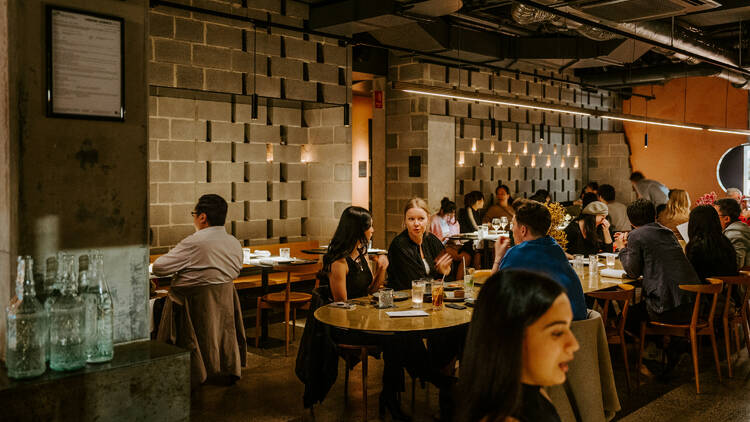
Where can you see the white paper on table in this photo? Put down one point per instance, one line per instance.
(397, 314)
(375, 250)
(260, 252)
(683, 229)
(612, 273)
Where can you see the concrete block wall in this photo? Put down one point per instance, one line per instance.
(609, 162)
(209, 142)
(513, 126)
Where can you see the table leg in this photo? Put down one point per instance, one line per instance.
(486, 259)
(264, 312)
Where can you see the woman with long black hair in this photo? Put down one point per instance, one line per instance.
(346, 265)
(710, 252)
(589, 233)
(519, 342)
(346, 260)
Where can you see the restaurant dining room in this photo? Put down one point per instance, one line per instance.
(391, 210)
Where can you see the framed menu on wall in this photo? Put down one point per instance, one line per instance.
(85, 66)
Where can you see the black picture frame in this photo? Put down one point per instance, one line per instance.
(50, 66)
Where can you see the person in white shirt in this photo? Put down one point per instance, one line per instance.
(208, 256)
(648, 189)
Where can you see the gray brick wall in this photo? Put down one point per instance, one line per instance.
(609, 162)
(210, 144)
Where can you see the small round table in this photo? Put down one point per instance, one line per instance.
(366, 317)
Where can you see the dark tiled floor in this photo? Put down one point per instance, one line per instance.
(270, 391)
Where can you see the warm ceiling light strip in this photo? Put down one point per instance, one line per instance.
(457, 94)
(652, 122)
(482, 98)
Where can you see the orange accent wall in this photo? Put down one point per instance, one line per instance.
(361, 113)
(683, 158)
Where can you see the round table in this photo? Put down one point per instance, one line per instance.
(366, 317)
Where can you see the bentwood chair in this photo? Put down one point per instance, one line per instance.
(734, 314)
(353, 353)
(696, 327)
(288, 300)
(615, 326)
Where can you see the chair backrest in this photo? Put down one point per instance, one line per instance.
(713, 287)
(730, 281)
(289, 269)
(623, 295)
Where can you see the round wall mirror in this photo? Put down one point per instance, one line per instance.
(732, 167)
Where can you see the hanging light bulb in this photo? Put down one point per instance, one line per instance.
(499, 160)
(575, 163)
(517, 162)
(541, 133)
(554, 149)
(473, 144)
(645, 141)
(541, 149)
(510, 147)
(492, 145)
(460, 158)
(568, 152)
(525, 148)
(562, 162)
(549, 161)
(533, 160)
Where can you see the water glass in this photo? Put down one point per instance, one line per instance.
(284, 252)
(593, 263)
(578, 265)
(417, 293)
(437, 295)
(385, 297)
(610, 260)
(468, 286)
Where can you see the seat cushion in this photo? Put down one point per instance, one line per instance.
(280, 297)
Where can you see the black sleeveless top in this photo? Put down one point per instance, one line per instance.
(535, 407)
(359, 277)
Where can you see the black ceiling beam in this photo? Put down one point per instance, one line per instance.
(626, 34)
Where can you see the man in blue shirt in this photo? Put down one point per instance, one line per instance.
(536, 251)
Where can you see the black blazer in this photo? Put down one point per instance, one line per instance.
(405, 263)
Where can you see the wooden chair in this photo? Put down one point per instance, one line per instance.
(615, 328)
(732, 316)
(696, 327)
(351, 353)
(289, 300)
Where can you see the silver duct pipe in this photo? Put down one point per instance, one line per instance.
(659, 32)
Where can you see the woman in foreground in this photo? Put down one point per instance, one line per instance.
(519, 341)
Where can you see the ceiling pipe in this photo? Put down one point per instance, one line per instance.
(656, 34)
(658, 74)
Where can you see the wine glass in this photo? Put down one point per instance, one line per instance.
(503, 222)
(495, 224)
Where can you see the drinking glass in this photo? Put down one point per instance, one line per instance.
(385, 297)
(437, 295)
(503, 222)
(417, 293)
(593, 264)
(496, 223)
(610, 260)
(469, 286)
(284, 252)
(578, 265)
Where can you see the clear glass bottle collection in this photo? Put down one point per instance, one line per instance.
(72, 328)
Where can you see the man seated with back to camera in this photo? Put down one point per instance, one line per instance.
(537, 251)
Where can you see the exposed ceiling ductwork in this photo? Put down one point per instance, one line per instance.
(659, 74)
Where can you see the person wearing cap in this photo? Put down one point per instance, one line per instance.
(589, 233)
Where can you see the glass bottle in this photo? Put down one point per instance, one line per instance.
(52, 278)
(66, 314)
(26, 333)
(99, 313)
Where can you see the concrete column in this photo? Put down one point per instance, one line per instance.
(441, 152)
(8, 181)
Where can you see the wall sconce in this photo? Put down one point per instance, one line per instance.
(533, 161)
(517, 162)
(562, 162)
(525, 148)
(575, 163)
(568, 152)
(473, 144)
(269, 152)
(460, 158)
(492, 145)
(304, 154)
(510, 147)
(541, 149)
(554, 150)
(549, 161)
(499, 160)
